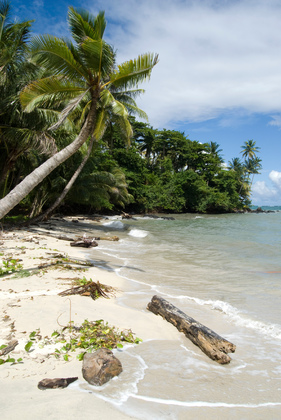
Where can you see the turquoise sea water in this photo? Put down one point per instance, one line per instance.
(224, 271)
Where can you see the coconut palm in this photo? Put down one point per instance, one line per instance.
(18, 131)
(252, 162)
(214, 149)
(249, 150)
(81, 70)
(105, 117)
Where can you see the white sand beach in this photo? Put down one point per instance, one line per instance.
(32, 303)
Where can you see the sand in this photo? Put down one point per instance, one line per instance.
(32, 304)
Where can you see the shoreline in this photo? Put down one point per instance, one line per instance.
(32, 303)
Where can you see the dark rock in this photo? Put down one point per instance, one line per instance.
(56, 382)
(101, 366)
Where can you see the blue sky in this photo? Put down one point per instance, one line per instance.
(219, 74)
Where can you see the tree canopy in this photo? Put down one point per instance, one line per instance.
(68, 136)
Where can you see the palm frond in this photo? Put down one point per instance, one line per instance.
(44, 92)
(101, 123)
(132, 72)
(51, 116)
(135, 110)
(25, 138)
(54, 54)
(125, 128)
(98, 56)
(119, 109)
(72, 104)
(83, 24)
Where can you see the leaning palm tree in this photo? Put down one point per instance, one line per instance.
(83, 69)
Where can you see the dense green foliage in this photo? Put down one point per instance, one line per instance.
(161, 170)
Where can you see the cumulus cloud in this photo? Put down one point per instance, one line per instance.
(268, 195)
(275, 177)
(214, 56)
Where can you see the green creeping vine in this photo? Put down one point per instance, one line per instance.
(90, 336)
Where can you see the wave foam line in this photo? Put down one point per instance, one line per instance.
(12, 295)
(271, 330)
(203, 403)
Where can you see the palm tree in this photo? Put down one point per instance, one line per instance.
(252, 167)
(214, 149)
(249, 149)
(81, 70)
(252, 162)
(18, 131)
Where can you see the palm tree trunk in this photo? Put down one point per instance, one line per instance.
(69, 185)
(32, 180)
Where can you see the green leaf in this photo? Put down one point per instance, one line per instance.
(80, 356)
(119, 346)
(28, 346)
(32, 335)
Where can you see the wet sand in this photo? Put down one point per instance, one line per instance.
(32, 303)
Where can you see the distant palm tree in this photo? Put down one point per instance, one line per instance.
(214, 148)
(249, 149)
(253, 166)
(80, 70)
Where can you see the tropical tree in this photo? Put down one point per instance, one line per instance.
(214, 149)
(249, 149)
(18, 131)
(84, 69)
(252, 162)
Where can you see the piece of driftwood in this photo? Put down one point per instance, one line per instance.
(85, 243)
(11, 345)
(207, 340)
(56, 382)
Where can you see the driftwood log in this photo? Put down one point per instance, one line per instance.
(56, 382)
(85, 243)
(207, 340)
(10, 347)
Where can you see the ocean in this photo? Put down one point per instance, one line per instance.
(224, 271)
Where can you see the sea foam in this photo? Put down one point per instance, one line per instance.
(137, 233)
(114, 224)
(270, 330)
(203, 403)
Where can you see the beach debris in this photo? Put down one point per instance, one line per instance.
(101, 366)
(90, 288)
(9, 347)
(56, 383)
(84, 242)
(213, 345)
(126, 215)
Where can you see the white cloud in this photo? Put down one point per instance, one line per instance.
(262, 194)
(275, 177)
(276, 120)
(214, 56)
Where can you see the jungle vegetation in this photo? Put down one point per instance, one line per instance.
(71, 141)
